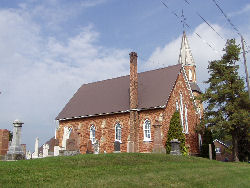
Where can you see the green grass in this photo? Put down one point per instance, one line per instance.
(123, 170)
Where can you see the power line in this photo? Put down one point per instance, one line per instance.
(227, 18)
(206, 21)
(243, 42)
(188, 26)
(230, 22)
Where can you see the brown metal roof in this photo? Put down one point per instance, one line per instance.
(112, 95)
(195, 87)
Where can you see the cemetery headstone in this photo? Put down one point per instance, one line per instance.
(117, 147)
(56, 150)
(96, 147)
(175, 147)
(45, 150)
(71, 145)
(89, 147)
(28, 155)
(36, 153)
(158, 146)
(66, 135)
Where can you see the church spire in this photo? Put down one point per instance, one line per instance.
(185, 57)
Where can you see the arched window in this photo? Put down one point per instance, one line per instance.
(181, 111)
(190, 74)
(186, 119)
(177, 105)
(147, 130)
(199, 112)
(118, 132)
(92, 134)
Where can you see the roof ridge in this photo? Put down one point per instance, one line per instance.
(128, 75)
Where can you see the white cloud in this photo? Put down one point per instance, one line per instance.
(244, 10)
(53, 13)
(38, 75)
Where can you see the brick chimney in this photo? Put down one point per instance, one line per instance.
(133, 81)
(133, 92)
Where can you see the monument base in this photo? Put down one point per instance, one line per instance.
(14, 157)
(130, 147)
(68, 153)
(159, 149)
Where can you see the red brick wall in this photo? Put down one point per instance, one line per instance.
(4, 141)
(105, 125)
(105, 131)
(224, 153)
(153, 116)
(193, 120)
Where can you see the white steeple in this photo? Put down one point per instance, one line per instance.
(185, 57)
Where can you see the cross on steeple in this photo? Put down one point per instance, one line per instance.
(183, 20)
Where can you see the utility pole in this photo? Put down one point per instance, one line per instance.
(245, 63)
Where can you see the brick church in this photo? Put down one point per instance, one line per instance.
(135, 110)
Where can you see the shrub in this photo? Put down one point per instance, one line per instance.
(175, 132)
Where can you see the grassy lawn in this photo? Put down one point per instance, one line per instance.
(123, 170)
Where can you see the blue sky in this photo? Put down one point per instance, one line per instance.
(50, 48)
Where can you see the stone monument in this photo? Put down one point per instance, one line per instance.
(36, 153)
(45, 150)
(28, 155)
(117, 146)
(57, 150)
(175, 147)
(96, 147)
(158, 146)
(15, 150)
(66, 135)
(90, 149)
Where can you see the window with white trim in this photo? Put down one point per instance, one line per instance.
(118, 132)
(92, 134)
(190, 74)
(199, 112)
(186, 119)
(217, 150)
(147, 130)
(181, 111)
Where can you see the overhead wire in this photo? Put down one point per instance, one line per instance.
(230, 22)
(186, 1)
(227, 18)
(188, 26)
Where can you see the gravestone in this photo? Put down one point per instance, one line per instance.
(66, 135)
(117, 147)
(175, 147)
(36, 153)
(28, 155)
(158, 146)
(45, 150)
(56, 150)
(130, 146)
(16, 151)
(96, 147)
(71, 145)
(89, 147)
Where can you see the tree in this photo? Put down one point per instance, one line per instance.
(227, 110)
(207, 139)
(175, 132)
